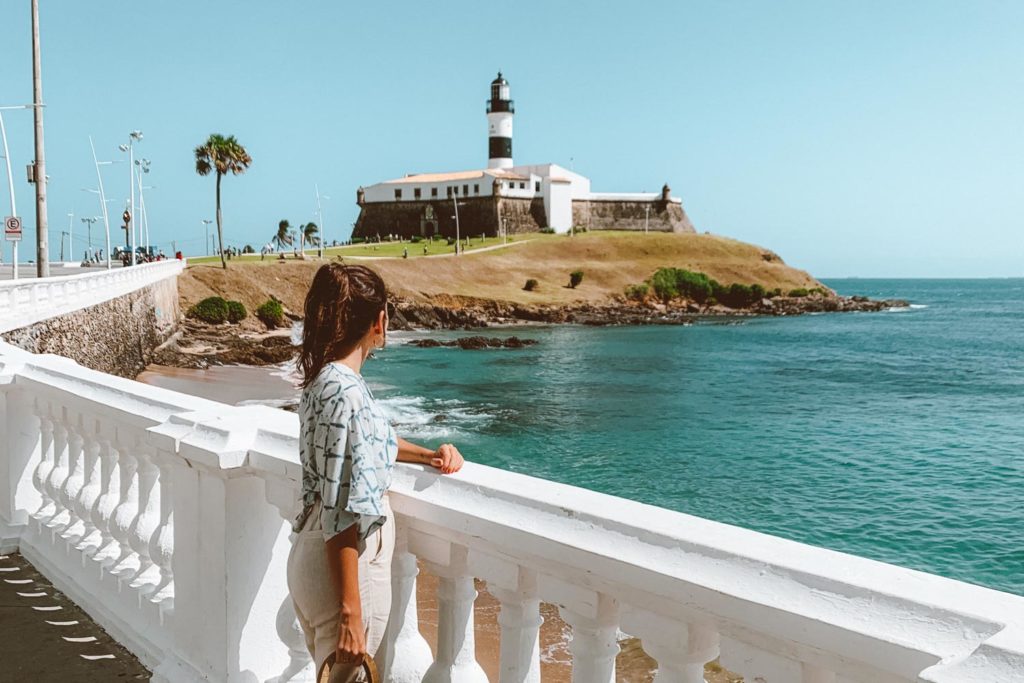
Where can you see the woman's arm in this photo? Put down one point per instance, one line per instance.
(446, 458)
(343, 566)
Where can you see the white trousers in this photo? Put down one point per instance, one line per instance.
(316, 601)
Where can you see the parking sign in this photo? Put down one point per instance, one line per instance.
(12, 229)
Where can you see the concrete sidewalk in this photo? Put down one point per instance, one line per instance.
(46, 638)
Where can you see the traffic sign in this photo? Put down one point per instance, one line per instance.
(12, 229)
(127, 216)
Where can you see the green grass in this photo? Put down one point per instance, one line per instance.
(384, 249)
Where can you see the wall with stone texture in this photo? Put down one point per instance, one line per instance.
(117, 336)
(476, 215)
(631, 215)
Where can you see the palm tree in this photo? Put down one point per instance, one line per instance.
(309, 235)
(282, 238)
(223, 155)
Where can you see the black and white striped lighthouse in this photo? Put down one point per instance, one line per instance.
(500, 109)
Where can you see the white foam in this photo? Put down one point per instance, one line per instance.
(416, 417)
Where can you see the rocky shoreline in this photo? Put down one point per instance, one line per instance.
(199, 345)
(474, 314)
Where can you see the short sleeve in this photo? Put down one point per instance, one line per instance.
(351, 493)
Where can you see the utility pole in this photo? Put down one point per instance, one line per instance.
(71, 240)
(206, 240)
(39, 166)
(455, 203)
(647, 217)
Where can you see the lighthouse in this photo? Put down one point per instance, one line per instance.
(500, 109)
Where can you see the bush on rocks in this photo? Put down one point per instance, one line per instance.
(531, 285)
(236, 312)
(575, 278)
(212, 309)
(638, 292)
(271, 313)
(798, 293)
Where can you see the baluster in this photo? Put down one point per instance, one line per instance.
(403, 635)
(520, 622)
(145, 523)
(45, 467)
(103, 508)
(300, 667)
(126, 561)
(161, 546)
(60, 472)
(594, 644)
(76, 479)
(754, 663)
(456, 645)
(90, 491)
(680, 649)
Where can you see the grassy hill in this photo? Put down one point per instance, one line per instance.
(609, 260)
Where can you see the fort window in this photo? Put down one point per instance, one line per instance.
(522, 186)
(449, 191)
(433, 192)
(465, 190)
(536, 186)
(476, 189)
(416, 193)
(456, 190)
(398, 194)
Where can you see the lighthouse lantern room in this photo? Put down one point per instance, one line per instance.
(500, 109)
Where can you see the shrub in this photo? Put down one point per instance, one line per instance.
(547, 231)
(798, 292)
(738, 296)
(663, 282)
(758, 292)
(271, 313)
(575, 278)
(416, 239)
(236, 312)
(775, 292)
(638, 292)
(696, 286)
(530, 285)
(213, 309)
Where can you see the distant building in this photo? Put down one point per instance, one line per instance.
(508, 199)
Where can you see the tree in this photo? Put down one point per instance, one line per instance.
(309, 236)
(282, 238)
(222, 155)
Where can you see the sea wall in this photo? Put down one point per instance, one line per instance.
(656, 215)
(486, 215)
(117, 336)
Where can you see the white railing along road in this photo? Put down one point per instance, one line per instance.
(166, 517)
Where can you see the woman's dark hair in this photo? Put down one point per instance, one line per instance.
(342, 303)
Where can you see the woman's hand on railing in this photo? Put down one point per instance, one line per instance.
(447, 459)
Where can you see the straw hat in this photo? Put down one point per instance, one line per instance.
(328, 668)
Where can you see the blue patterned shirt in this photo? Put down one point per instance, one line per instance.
(347, 448)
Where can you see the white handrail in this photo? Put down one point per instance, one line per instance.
(28, 301)
(166, 518)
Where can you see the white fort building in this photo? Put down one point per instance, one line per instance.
(505, 198)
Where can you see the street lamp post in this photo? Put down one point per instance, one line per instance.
(71, 239)
(647, 217)
(103, 200)
(206, 241)
(320, 215)
(135, 135)
(89, 220)
(39, 165)
(142, 166)
(455, 202)
(10, 187)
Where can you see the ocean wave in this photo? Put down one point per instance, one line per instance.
(419, 418)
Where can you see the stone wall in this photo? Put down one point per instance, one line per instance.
(425, 218)
(631, 215)
(117, 336)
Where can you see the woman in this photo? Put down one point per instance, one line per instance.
(339, 569)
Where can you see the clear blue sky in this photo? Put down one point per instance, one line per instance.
(859, 138)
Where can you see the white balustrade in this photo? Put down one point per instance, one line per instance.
(31, 300)
(175, 514)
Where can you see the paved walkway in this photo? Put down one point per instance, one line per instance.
(46, 638)
(448, 255)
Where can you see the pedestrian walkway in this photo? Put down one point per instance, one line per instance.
(46, 638)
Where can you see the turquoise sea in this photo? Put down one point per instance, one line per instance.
(897, 435)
